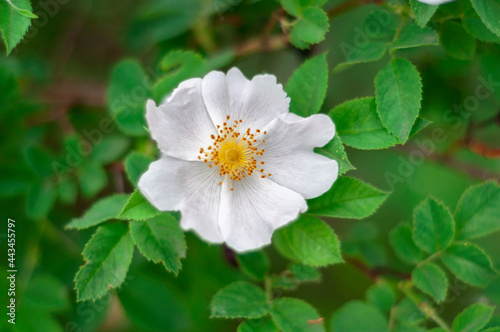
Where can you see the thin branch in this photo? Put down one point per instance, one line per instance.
(483, 150)
(375, 272)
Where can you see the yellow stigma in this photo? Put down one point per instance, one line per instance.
(235, 152)
(233, 155)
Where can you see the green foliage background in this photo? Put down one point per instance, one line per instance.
(405, 241)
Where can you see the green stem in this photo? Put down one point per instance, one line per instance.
(203, 34)
(31, 258)
(430, 258)
(396, 35)
(424, 307)
(269, 289)
(431, 313)
(391, 318)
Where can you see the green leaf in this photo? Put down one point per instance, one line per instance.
(478, 211)
(358, 316)
(159, 21)
(413, 36)
(476, 28)
(370, 51)
(359, 125)
(47, 293)
(398, 90)
(258, 325)
(108, 255)
(469, 263)
(419, 124)
(160, 239)
(335, 150)
(310, 241)
(295, 274)
(254, 264)
(456, 41)
(381, 296)
(105, 209)
(14, 185)
(307, 86)
(68, 191)
(240, 299)
(138, 208)
(401, 239)
(145, 298)
(302, 272)
(292, 7)
(40, 161)
(381, 25)
(296, 41)
(433, 226)
(127, 95)
(110, 149)
(92, 178)
(312, 25)
(14, 21)
(407, 313)
(177, 66)
(294, 315)
(41, 199)
(36, 320)
(348, 198)
(135, 165)
(296, 7)
(473, 318)
(430, 279)
(492, 291)
(23, 12)
(489, 11)
(422, 12)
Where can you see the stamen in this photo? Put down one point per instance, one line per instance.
(235, 151)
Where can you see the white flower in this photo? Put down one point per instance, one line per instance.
(234, 161)
(435, 2)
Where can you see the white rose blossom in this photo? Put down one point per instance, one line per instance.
(435, 2)
(234, 161)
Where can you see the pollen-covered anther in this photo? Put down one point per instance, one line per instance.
(235, 151)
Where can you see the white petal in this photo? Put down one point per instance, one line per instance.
(435, 2)
(254, 209)
(189, 186)
(181, 126)
(289, 155)
(255, 102)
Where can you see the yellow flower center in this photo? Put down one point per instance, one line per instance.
(235, 152)
(233, 155)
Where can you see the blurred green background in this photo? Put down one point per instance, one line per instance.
(53, 89)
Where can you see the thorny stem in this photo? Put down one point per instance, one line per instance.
(375, 272)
